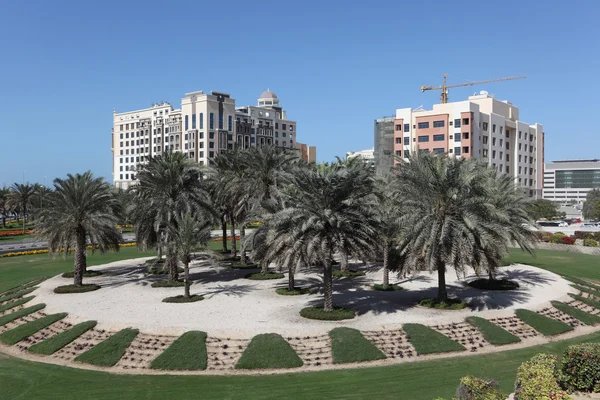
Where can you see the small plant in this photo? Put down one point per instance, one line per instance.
(162, 284)
(259, 276)
(386, 288)
(493, 284)
(347, 273)
(536, 377)
(590, 243)
(337, 314)
(472, 388)
(86, 274)
(449, 304)
(89, 287)
(182, 299)
(296, 292)
(242, 266)
(579, 368)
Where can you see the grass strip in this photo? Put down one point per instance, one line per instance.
(587, 290)
(582, 282)
(17, 294)
(544, 325)
(585, 300)
(427, 341)
(585, 317)
(29, 328)
(57, 342)
(337, 314)
(15, 303)
(186, 353)
(5, 319)
(269, 350)
(110, 351)
(259, 276)
(86, 287)
(491, 332)
(24, 286)
(349, 346)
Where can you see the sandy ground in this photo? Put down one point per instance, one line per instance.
(235, 307)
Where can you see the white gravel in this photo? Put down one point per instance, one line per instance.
(235, 307)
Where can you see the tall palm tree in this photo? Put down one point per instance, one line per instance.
(4, 205)
(452, 217)
(80, 206)
(168, 185)
(20, 198)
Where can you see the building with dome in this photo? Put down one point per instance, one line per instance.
(204, 125)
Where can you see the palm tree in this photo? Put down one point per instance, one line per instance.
(169, 185)
(4, 205)
(80, 206)
(20, 198)
(452, 214)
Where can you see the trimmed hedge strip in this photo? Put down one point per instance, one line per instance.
(427, 341)
(186, 353)
(5, 319)
(544, 325)
(349, 346)
(57, 342)
(586, 318)
(15, 303)
(23, 286)
(492, 333)
(29, 328)
(593, 292)
(585, 300)
(582, 282)
(17, 294)
(269, 350)
(110, 351)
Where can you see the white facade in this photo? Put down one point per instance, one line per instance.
(367, 155)
(205, 125)
(568, 181)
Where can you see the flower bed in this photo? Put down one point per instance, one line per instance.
(46, 251)
(15, 233)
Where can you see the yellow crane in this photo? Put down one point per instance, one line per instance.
(444, 88)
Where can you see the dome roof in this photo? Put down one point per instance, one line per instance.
(267, 94)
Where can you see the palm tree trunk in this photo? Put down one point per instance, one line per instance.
(264, 267)
(328, 286)
(232, 228)
(344, 261)
(186, 280)
(442, 292)
(243, 258)
(159, 255)
(386, 264)
(23, 222)
(490, 275)
(224, 229)
(171, 263)
(291, 282)
(79, 258)
(3, 222)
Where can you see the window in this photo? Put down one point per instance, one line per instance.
(398, 153)
(507, 133)
(485, 140)
(501, 155)
(121, 175)
(211, 122)
(282, 134)
(406, 127)
(193, 121)
(525, 149)
(230, 123)
(457, 151)
(465, 150)
(501, 142)
(508, 157)
(201, 122)
(507, 145)
(211, 145)
(519, 170)
(121, 168)
(406, 141)
(519, 146)
(220, 121)
(121, 144)
(126, 176)
(465, 135)
(423, 139)
(525, 159)
(457, 123)
(493, 128)
(438, 138)
(398, 140)
(438, 124)
(519, 158)
(186, 122)
(531, 138)
(423, 125)
(457, 137)
(398, 128)
(201, 145)
(493, 141)
(186, 146)
(283, 126)
(494, 154)
(121, 160)
(465, 121)
(291, 127)
(438, 151)
(121, 129)
(211, 154)
(121, 136)
(485, 152)
(186, 136)
(276, 125)
(211, 135)
(500, 129)
(276, 134)
(485, 126)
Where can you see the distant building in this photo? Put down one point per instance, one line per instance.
(481, 127)
(307, 153)
(569, 180)
(383, 149)
(367, 155)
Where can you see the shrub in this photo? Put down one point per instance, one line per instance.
(159, 270)
(347, 273)
(559, 234)
(583, 235)
(155, 261)
(90, 287)
(269, 350)
(590, 243)
(242, 266)
(296, 292)
(259, 276)
(349, 346)
(182, 299)
(579, 369)
(386, 288)
(186, 353)
(494, 284)
(337, 314)
(86, 274)
(535, 380)
(561, 239)
(450, 304)
(160, 284)
(472, 388)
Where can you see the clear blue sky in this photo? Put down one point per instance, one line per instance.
(335, 66)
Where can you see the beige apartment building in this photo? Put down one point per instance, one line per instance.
(481, 127)
(206, 124)
(307, 153)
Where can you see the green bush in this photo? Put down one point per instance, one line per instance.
(182, 299)
(337, 314)
(559, 234)
(86, 274)
(450, 304)
(544, 325)
(492, 332)
(27, 329)
(110, 351)
(536, 380)
(160, 284)
(57, 342)
(386, 288)
(186, 353)
(159, 270)
(472, 388)
(494, 284)
(590, 242)
(242, 266)
(579, 368)
(350, 346)
(296, 292)
(259, 276)
(347, 273)
(427, 341)
(269, 350)
(89, 287)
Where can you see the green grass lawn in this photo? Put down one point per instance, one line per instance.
(57, 342)
(586, 318)
(581, 266)
(29, 328)
(349, 345)
(16, 238)
(269, 350)
(491, 332)
(5, 319)
(187, 353)
(427, 341)
(218, 245)
(110, 351)
(18, 270)
(15, 303)
(544, 325)
(14, 295)
(585, 300)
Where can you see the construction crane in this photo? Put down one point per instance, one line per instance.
(444, 88)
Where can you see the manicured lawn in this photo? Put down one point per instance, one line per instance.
(586, 318)
(269, 350)
(14, 295)
(57, 342)
(492, 332)
(16, 238)
(578, 265)
(29, 328)
(110, 351)
(586, 289)
(187, 353)
(585, 300)
(544, 325)
(18, 270)
(349, 345)
(582, 282)
(218, 245)
(15, 303)
(5, 319)
(427, 341)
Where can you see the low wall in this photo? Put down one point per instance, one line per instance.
(594, 251)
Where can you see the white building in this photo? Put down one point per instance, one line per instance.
(481, 127)
(568, 181)
(367, 155)
(204, 125)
